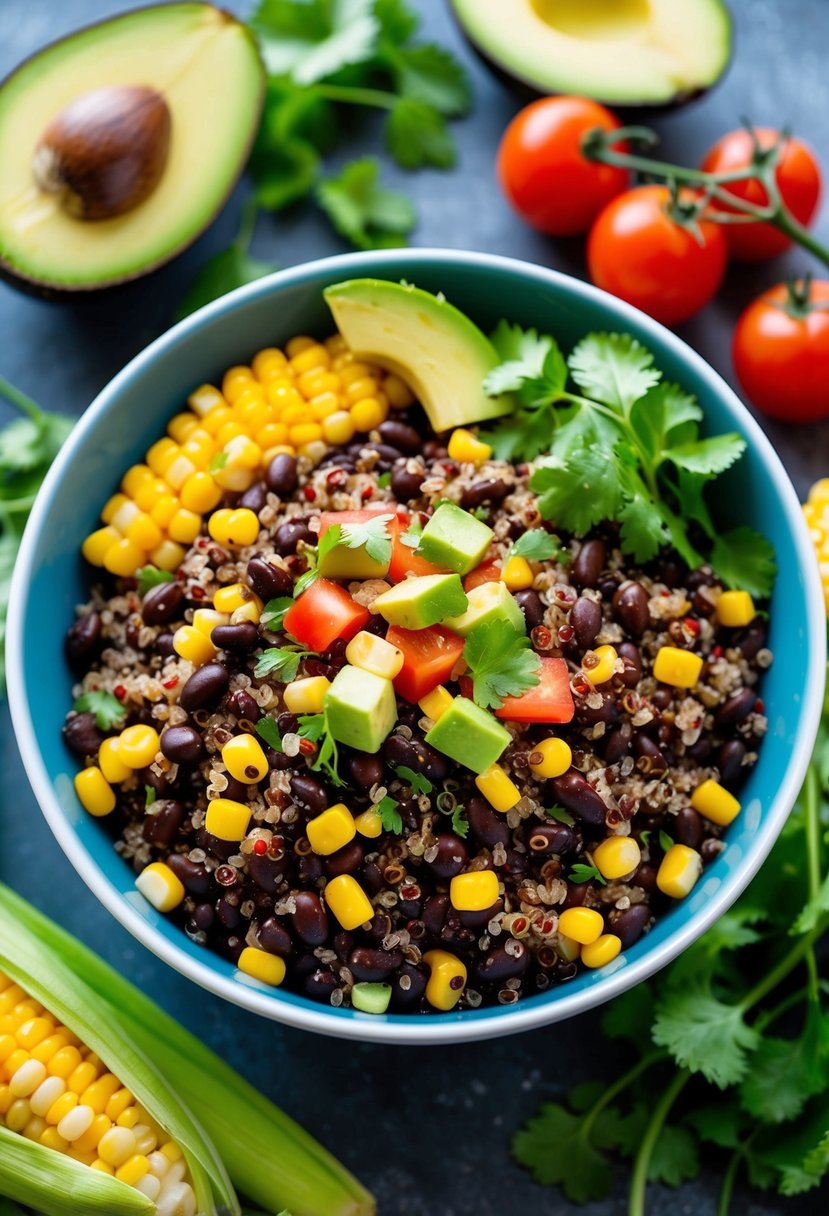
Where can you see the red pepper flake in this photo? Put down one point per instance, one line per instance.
(664, 593)
(260, 847)
(691, 625)
(119, 691)
(309, 493)
(759, 706)
(366, 493)
(197, 592)
(717, 652)
(307, 748)
(337, 477)
(171, 683)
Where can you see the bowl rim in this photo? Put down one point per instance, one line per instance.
(475, 1024)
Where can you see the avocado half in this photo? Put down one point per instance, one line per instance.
(201, 70)
(630, 54)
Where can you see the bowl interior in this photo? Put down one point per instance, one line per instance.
(133, 412)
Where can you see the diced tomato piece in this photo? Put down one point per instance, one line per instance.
(428, 658)
(324, 613)
(487, 572)
(329, 518)
(404, 560)
(550, 701)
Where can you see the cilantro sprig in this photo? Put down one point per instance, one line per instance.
(108, 710)
(626, 447)
(281, 661)
(390, 816)
(315, 727)
(149, 577)
(539, 546)
(500, 662)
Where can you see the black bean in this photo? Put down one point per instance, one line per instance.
(671, 572)
(486, 824)
(162, 603)
(371, 965)
(750, 639)
(632, 660)
(629, 923)
(586, 620)
(288, 536)
(420, 757)
(309, 869)
(281, 475)
(378, 928)
(242, 705)
(651, 759)
(205, 688)
(227, 911)
(503, 963)
(516, 864)
(644, 876)
(346, 860)
(388, 454)
(82, 639)
(616, 745)
(401, 436)
(162, 822)
(203, 916)
(545, 838)
(239, 638)
(343, 944)
(268, 872)
(310, 920)
(191, 874)
(607, 712)
(452, 855)
(435, 911)
(82, 736)
(589, 563)
(235, 789)
(529, 602)
(576, 796)
(163, 645)
(268, 580)
(489, 489)
(662, 698)
(700, 750)
(274, 937)
(631, 608)
(320, 984)
(308, 792)
(738, 706)
(182, 745)
(406, 485)
(408, 985)
(688, 828)
(157, 781)
(730, 761)
(365, 770)
(254, 498)
(477, 920)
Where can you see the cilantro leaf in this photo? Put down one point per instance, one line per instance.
(522, 435)
(296, 125)
(560, 815)
(709, 456)
(581, 492)
(273, 616)
(501, 663)
(556, 1148)
(537, 545)
(419, 784)
(743, 558)
(372, 535)
(430, 74)
(614, 369)
(149, 577)
(390, 817)
(311, 39)
(232, 268)
(785, 1073)
(629, 1016)
(460, 824)
(525, 354)
(801, 1154)
(705, 1035)
(666, 842)
(367, 214)
(108, 710)
(267, 730)
(417, 135)
(398, 23)
(315, 727)
(280, 661)
(583, 873)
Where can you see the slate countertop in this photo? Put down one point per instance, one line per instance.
(427, 1130)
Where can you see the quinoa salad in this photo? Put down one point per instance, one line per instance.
(368, 720)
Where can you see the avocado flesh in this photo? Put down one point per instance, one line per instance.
(422, 338)
(622, 52)
(206, 66)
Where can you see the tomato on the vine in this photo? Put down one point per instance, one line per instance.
(798, 179)
(781, 351)
(543, 171)
(646, 250)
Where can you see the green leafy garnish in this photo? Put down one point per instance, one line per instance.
(273, 616)
(280, 661)
(367, 214)
(586, 873)
(315, 727)
(538, 546)
(460, 824)
(555, 1148)
(108, 710)
(149, 577)
(666, 842)
(149, 796)
(419, 784)
(373, 536)
(390, 817)
(232, 268)
(560, 815)
(267, 730)
(501, 663)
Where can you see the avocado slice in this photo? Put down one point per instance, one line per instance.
(454, 539)
(194, 72)
(424, 600)
(626, 53)
(485, 603)
(361, 708)
(469, 734)
(422, 338)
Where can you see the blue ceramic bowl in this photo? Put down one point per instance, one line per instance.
(50, 579)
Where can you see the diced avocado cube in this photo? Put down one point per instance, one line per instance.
(419, 602)
(488, 602)
(469, 734)
(361, 708)
(454, 540)
(354, 562)
(344, 563)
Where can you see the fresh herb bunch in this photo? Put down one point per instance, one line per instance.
(626, 446)
(730, 1045)
(28, 445)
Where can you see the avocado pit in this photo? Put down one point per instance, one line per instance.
(105, 152)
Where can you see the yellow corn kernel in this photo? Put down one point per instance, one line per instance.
(278, 449)
(235, 381)
(447, 979)
(204, 399)
(118, 1103)
(310, 358)
(51, 1138)
(34, 1031)
(677, 667)
(99, 1093)
(270, 435)
(136, 477)
(348, 902)
(324, 405)
(582, 925)
(178, 470)
(602, 951)
(64, 1062)
(160, 886)
(294, 415)
(317, 382)
(214, 421)
(189, 643)
(398, 392)
(715, 803)
(229, 431)
(555, 757)
(138, 745)
(185, 526)
(181, 425)
(163, 510)
(150, 493)
(367, 413)
(206, 620)
(569, 950)
(370, 653)
(678, 871)
(16, 1060)
(304, 433)
(46, 1095)
(116, 1146)
(616, 856)
(475, 891)
(499, 790)
(269, 968)
(245, 759)
(234, 529)
(80, 1078)
(171, 1151)
(199, 451)
(251, 611)
(17, 1115)
(144, 532)
(283, 396)
(315, 452)
(338, 428)
(25, 1079)
(98, 544)
(603, 670)
(133, 1169)
(331, 830)
(160, 454)
(517, 574)
(735, 609)
(306, 696)
(295, 346)
(129, 1118)
(227, 819)
(242, 453)
(94, 792)
(228, 599)
(267, 363)
(436, 702)
(254, 415)
(48, 1049)
(111, 764)
(335, 345)
(167, 556)
(88, 1142)
(465, 447)
(123, 558)
(369, 824)
(113, 505)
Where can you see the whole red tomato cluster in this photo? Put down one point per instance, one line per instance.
(660, 250)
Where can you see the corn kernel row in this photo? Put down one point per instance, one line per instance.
(58, 1094)
(816, 514)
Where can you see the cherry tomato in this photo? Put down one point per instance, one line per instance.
(781, 352)
(798, 179)
(638, 251)
(543, 171)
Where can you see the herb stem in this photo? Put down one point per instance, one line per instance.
(639, 1179)
(769, 1016)
(20, 400)
(786, 964)
(618, 1087)
(354, 95)
(729, 1178)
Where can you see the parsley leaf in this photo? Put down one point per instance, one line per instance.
(315, 727)
(582, 491)
(149, 577)
(390, 817)
(460, 824)
(501, 663)
(583, 873)
(614, 369)
(417, 135)
(537, 545)
(267, 730)
(785, 1073)
(273, 616)
(232, 268)
(108, 710)
(532, 362)
(419, 784)
(560, 815)
(430, 74)
(280, 661)
(398, 23)
(704, 1034)
(557, 1147)
(745, 559)
(367, 214)
(312, 39)
(372, 535)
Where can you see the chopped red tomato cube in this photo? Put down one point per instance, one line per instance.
(487, 572)
(324, 613)
(428, 658)
(549, 701)
(404, 560)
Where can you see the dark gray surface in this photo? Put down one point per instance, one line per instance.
(427, 1130)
